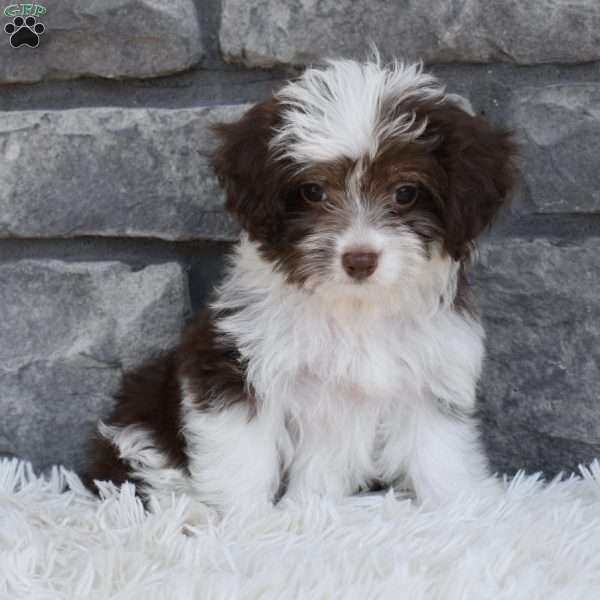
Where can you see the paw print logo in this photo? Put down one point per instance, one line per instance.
(24, 32)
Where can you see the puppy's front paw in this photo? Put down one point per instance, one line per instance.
(198, 516)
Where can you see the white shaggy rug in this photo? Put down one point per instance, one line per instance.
(535, 542)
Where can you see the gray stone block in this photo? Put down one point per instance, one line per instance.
(67, 330)
(267, 32)
(559, 126)
(107, 38)
(111, 172)
(541, 385)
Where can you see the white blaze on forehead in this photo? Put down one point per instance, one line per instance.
(336, 112)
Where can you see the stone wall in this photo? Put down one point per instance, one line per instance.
(112, 229)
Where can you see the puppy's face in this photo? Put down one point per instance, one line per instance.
(364, 182)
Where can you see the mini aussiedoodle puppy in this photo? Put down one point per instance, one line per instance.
(341, 350)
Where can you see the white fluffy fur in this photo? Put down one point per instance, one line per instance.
(532, 542)
(233, 459)
(336, 112)
(137, 447)
(348, 393)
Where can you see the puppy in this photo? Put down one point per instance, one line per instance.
(342, 349)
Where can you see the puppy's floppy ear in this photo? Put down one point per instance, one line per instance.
(479, 162)
(253, 181)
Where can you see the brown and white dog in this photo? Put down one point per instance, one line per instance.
(342, 349)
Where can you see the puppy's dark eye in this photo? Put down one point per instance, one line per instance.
(406, 195)
(313, 192)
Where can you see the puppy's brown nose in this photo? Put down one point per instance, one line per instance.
(359, 265)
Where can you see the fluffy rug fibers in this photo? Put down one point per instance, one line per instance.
(535, 541)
